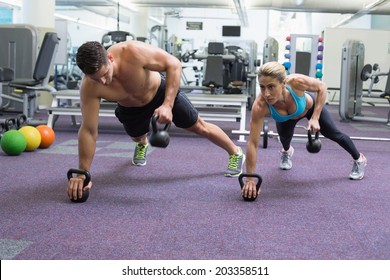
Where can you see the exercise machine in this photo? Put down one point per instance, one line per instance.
(374, 74)
(28, 87)
(31, 64)
(19, 50)
(353, 74)
(229, 68)
(6, 75)
(270, 50)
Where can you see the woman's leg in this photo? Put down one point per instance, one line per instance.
(330, 130)
(285, 131)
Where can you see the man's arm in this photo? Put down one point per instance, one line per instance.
(87, 137)
(156, 59)
(88, 131)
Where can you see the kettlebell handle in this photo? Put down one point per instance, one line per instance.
(258, 184)
(153, 121)
(86, 182)
(80, 172)
(310, 137)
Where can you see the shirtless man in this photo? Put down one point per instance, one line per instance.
(130, 73)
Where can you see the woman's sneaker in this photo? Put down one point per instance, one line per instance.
(285, 159)
(357, 172)
(139, 157)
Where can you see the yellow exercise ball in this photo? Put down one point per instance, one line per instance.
(33, 137)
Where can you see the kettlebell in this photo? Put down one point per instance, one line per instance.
(2, 130)
(21, 120)
(313, 145)
(254, 175)
(9, 124)
(86, 182)
(158, 137)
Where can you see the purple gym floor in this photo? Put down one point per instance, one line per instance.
(180, 206)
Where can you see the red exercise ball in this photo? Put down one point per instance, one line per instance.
(47, 136)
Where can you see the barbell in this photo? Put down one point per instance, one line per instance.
(266, 133)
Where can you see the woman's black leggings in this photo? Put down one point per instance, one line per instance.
(327, 128)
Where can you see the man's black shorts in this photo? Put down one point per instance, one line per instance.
(136, 120)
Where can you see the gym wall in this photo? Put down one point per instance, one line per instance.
(212, 22)
(377, 50)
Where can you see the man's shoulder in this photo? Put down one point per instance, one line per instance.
(89, 86)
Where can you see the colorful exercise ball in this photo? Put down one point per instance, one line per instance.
(33, 137)
(47, 136)
(13, 142)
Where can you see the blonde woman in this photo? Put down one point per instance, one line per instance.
(288, 99)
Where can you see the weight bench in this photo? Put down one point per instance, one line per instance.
(28, 87)
(66, 103)
(230, 108)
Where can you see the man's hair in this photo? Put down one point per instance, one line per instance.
(91, 56)
(274, 70)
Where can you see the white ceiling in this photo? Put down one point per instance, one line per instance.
(322, 6)
(159, 8)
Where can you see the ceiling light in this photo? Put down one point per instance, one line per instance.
(128, 6)
(14, 3)
(241, 11)
(78, 21)
(297, 2)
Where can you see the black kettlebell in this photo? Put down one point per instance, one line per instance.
(158, 137)
(86, 182)
(313, 145)
(2, 130)
(254, 175)
(21, 120)
(9, 124)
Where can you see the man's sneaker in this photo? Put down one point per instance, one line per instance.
(139, 157)
(236, 162)
(357, 172)
(285, 159)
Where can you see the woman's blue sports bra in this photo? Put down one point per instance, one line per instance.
(300, 102)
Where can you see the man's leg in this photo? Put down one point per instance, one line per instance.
(141, 148)
(217, 136)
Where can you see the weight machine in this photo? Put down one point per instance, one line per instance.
(353, 74)
(30, 73)
(367, 73)
(229, 68)
(270, 50)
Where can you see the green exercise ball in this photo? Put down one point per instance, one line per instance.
(13, 142)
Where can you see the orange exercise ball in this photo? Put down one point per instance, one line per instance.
(33, 137)
(47, 136)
